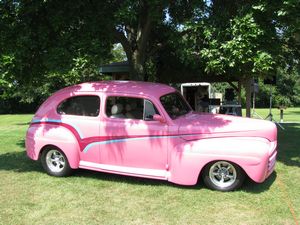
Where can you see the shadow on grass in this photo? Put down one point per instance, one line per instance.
(256, 188)
(87, 174)
(21, 143)
(23, 124)
(248, 186)
(19, 162)
(288, 145)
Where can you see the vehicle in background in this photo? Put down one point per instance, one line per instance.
(203, 98)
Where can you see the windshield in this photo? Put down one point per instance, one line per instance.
(175, 105)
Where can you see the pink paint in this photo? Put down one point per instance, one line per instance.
(169, 149)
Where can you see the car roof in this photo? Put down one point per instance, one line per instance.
(128, 87)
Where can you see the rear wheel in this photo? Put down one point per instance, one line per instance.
(223, 176)
(55, 162)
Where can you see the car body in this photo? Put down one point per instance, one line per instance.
(148, 130)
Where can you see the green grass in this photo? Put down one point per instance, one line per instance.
(29, 196)
(289, 114)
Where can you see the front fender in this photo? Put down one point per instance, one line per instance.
(250, 153)
(40, 135)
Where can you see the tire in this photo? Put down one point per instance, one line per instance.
(223, 176)
(55, 162)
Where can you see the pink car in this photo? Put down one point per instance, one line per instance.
(148, 130)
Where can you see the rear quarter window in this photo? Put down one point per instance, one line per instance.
(86, 105)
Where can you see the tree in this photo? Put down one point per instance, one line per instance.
(238, 39)
(136, 21)
(45, 39)
(47, 45)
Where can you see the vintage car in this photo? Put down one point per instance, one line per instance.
(148, 130)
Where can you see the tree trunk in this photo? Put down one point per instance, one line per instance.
(247, 85)
(239, 92)
(136, 40)
(137, 65)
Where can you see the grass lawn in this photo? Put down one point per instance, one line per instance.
(289, 115)
(30, 196)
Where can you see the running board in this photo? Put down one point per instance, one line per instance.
(130, 171)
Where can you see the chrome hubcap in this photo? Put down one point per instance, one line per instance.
(222, 174)
(55, 161)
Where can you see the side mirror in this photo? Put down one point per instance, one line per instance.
(159, 118)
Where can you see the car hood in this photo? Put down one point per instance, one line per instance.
(205, 124)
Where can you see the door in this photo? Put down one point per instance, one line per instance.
(131, 138)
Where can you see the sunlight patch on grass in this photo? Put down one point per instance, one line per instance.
(289, 115)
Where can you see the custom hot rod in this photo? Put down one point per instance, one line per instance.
(148, 130)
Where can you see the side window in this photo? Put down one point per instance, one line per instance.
(149, 110)
(86, 105)
(129, 108)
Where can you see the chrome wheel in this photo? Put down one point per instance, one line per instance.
(55, 161)
(222, 174)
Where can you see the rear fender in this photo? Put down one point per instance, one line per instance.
(40, 136)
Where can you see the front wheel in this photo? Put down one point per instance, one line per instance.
(55, 162)
(223, 176)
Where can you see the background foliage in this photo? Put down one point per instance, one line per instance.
(49, 44)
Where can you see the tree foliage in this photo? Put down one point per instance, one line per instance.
(232, 39)
(246, 39)
(48, 44)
